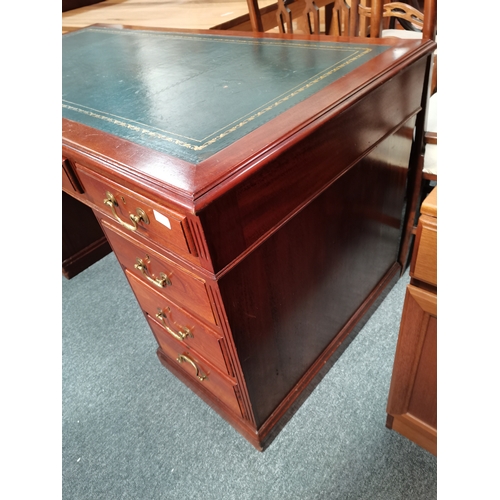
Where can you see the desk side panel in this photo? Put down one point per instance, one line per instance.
(290, 297)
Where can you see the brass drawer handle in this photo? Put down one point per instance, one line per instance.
(181, 334)
(182, 357)
(140, 215)
(160, 282)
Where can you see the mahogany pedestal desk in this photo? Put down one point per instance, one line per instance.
(252, 187)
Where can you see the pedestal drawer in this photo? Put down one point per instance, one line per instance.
(137, 214)
(196, 367)
(158, 272)
(179, 324)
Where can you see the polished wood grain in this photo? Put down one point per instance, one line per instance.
(287, 300)
(415, 192)
(83, 242)
(164, 226)
(294, 229)
(195, 14)
(424, 259)
(412, 401)
(179, 323)
(429, 206)
(234, 222)
(181, 286)
(76, 4)
(252, 15)
(276, 160)
(413, 391)
(197, 368)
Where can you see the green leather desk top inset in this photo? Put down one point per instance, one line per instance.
(191, 95)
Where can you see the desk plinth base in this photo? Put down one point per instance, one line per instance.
(415, 430)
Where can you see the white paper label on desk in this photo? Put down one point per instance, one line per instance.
(162, 219)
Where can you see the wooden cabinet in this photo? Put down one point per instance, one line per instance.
(412, 404)
(252, 189)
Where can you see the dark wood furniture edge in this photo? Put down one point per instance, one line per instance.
(247, 432)
(310, 380)
(206, 184)
(413, 381)
(421, 434)
(83, 244)
(131, 178)
(85, 258)
(415, 174)
(77, 4)
(263, 436)
(196, 200)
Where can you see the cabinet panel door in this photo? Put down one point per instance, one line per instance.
(413, 393)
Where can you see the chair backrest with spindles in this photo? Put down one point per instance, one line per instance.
(342, 17)
(410, 18)
(355, 17)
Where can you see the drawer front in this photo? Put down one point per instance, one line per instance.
(424, 265)
(162, 275)
(138, 214)
(179, 324)
(197, 367)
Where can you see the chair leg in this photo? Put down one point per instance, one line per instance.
(414, 198)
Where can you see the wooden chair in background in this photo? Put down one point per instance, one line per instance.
(422, 175)
(329, 17)
(356, 18)
(405, 15)
(340, 17)
(411, 22)
(349, 17)
(378, 21)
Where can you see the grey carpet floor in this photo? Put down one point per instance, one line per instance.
(131, 430)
